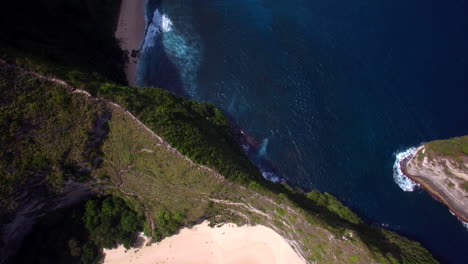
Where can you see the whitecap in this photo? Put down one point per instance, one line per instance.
(465, 224)
(160, 24)
(166, 23)
(183, 49)
(405, 183)
(270, 176)
(152, 31)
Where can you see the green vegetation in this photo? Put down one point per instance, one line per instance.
(280, 211)
(411, 251)
(59, 237)
(354, 259)
(198, 130)
(171, 191)
(174, 193)
(454, 147)
(111, 222)
(464, 186)
(76, 234)
(331, 204)
(166, 182)
(47, 134)
(44, 132)
(167, 224)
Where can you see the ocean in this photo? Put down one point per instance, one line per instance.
(331, 90)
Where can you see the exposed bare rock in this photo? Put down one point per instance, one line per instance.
(444, 177)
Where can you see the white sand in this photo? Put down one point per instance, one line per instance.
(130, 31)
(228, 244)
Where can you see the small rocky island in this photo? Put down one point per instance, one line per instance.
(441, 168)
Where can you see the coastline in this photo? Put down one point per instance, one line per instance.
(431, 190)
(227, 244)
(130, 34)
(273, 210)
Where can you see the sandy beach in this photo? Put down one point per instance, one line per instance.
(130, 32)
(228, 244)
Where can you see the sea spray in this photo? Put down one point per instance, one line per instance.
(465, 224)
(257, 154)
(182, 46)
(271, 176)
(152, 32)
(405, 183)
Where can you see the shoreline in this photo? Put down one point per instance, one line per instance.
(130, 34)
(434, 194)
(227, 244)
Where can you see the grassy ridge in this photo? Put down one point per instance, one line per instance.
(202, 133)
(172, 192)
(455, 147)
(44, 131)
(198, 130)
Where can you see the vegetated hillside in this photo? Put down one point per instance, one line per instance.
(133, 163)
(456, 148)
(76, 234)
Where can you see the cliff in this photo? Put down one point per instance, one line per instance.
(441, 168)
(133, 162)
(66, 118)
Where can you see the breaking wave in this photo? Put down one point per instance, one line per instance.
(152, 32)
(268, 175)
(184, 51)
(465, 224)
(405, 183)
(160, 24)
(181, 45)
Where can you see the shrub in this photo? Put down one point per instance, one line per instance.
(111, 222)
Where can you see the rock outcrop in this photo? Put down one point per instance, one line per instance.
(444, 174)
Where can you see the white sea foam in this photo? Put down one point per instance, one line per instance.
(182, 46)
(270, 176)
(152, 32)
(405, 183)
(160, 24)
(465, 224)
(166, 23)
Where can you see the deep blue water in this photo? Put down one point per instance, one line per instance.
(332, 89)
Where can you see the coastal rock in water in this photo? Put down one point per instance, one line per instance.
(441, 168)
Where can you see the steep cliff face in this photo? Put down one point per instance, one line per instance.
(35, 200)
(72, 136)
(50, 145)
(441, 168)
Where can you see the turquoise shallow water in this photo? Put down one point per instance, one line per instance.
(331, 90)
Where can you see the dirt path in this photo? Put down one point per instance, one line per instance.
(117, 106)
